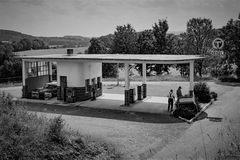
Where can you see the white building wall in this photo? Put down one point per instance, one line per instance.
(77, 72)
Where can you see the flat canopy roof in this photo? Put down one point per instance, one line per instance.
(49, 51)
(117, 58)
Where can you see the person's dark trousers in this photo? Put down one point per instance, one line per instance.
(170, 104)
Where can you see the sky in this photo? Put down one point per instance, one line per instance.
(93, 18)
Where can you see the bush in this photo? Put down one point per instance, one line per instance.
(213, 95)
(55, 133)
(202, 92)
(187, 111)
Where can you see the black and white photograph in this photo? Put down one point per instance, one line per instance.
(119, 79)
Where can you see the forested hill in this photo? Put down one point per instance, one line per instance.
(66, 41)
(11, 36)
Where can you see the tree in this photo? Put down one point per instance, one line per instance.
(160, 31)
(145, 42)
(171, 44)
(27, 44)
(125, 40)
(199, 33)
(107, 40)
(9, 65)
(38, 44)
(96, 47)
(231, 35)
(109, 70)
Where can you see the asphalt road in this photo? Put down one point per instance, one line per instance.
(217, 133)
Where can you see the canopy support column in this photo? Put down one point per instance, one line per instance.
(127, 85)
(24, 89)
(144, 72)
(191, 75)
(50, 71)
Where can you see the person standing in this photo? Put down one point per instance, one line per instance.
(179, 92)
(179, 95)
(171, 99)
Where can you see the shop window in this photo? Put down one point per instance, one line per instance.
(35, 68)
(98, 82)
(31, 68)
(43, 68)
(87, 85)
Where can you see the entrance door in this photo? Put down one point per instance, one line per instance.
(63, 86)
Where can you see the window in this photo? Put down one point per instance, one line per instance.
(98, 82)
(87, 85)
(42, 68)
(31, 68)
(35, 69)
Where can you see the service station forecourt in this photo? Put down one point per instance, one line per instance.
(79, 76)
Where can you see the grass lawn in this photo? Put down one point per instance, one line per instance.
(166, 77)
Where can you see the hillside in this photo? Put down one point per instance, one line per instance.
(77, 41)
(66, 41)
(11, 36)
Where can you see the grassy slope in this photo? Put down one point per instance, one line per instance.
(27, 136)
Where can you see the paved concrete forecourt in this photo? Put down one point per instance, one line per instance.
(113, 99)
(151, 104)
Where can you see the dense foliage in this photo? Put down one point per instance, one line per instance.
(96, 47)
(9, 65)
(27, 44)
(202, 92)
(231, 35)
(29, 137)
(125, 41)
(196, 40)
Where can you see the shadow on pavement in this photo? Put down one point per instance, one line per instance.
(215, 119)
(103, 113)
(232, 84)
(202, 116)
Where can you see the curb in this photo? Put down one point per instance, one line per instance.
(198, 114)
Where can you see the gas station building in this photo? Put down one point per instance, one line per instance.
(79, 76)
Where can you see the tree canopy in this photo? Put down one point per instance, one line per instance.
(125, 41)
(199, 33)
(27, 44)
(9, 65)
(196, 40)
(231, 35)
(96, 47)
(160, 31)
